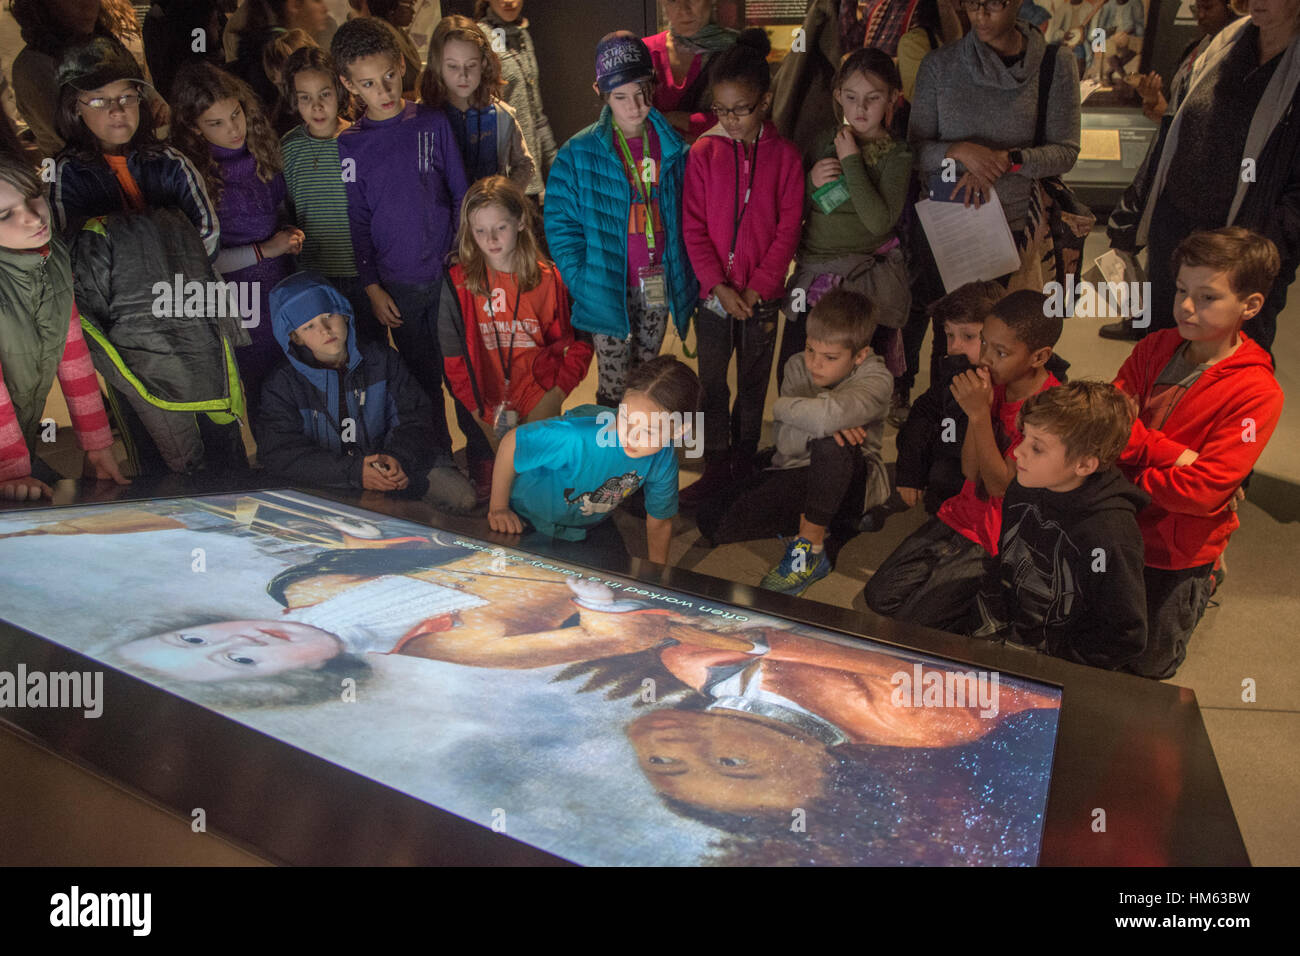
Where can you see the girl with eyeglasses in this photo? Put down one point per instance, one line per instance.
(136, 213)
(113, 161)
(742, 212)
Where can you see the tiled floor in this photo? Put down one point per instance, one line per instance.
(1246, 638)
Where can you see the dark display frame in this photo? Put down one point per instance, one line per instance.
(1133, 748)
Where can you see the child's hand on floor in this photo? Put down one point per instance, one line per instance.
(382, 304)
(102, 466)
(825, 171)
(846, 437)
(505, 521)
(911, 496)
(973, 390)
(24, 489)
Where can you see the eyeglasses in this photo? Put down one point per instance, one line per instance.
(127, 101)
(740, 112)
(990, 6)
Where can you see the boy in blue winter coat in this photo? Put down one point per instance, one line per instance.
(614, 219)
(348, 415)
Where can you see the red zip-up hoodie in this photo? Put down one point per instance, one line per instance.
(713, 193)
(1226, 417)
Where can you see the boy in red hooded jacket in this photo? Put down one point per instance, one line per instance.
(1208, 403)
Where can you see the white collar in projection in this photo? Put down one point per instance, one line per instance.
(739, 687)
(376, 615)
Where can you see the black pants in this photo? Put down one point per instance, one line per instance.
(932, 579)
(829, 492)
(927, 289)
(1176, 600)
(417, 340)
(753, 341)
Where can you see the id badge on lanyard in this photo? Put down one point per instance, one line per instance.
(650, 278)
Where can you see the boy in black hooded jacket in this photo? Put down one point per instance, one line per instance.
(1068, 579)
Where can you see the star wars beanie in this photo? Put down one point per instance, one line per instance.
(621, 57)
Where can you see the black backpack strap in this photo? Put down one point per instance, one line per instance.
(1046, 69)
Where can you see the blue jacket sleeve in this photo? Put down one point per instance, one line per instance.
(565, 231)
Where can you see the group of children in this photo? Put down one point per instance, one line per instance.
(1085, 519)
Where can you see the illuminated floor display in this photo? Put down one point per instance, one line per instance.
(603, 720)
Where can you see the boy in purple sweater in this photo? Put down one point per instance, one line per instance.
(405, 182)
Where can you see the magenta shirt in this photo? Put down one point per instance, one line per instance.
(638, 251)
(669, 94)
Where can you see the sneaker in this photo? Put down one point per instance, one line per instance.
(451, 491)
(481, 473)
(799, 569)
(1122, 330)
(716, 477)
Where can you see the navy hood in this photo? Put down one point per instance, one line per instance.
(296, 301)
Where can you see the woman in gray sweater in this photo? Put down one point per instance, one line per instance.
(976, 104)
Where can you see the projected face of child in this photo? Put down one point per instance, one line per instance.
(729, 762)
(232, 649)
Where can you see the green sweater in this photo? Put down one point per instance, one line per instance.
(877, 190)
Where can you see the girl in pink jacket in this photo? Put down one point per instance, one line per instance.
(742, 211)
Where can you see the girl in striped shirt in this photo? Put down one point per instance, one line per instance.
(318, 198)
(40, 337)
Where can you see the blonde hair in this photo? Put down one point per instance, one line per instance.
(498, 191)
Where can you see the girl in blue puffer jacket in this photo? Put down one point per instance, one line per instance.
(627, 269)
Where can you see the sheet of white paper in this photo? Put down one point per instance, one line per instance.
(969, 244)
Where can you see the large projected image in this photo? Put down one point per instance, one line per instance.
(600, 719)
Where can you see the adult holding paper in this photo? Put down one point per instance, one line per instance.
(974, 120)
(1228, 158)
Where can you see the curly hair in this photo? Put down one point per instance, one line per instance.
(198, 85)
(431, 87)
(361, 37)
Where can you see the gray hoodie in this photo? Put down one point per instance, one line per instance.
(806, 411)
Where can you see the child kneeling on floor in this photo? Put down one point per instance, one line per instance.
(1068, 579)
(347, 414)
(566, 475)
(932, 577)
(834, 398)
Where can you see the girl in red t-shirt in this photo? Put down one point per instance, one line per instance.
(510, 352)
